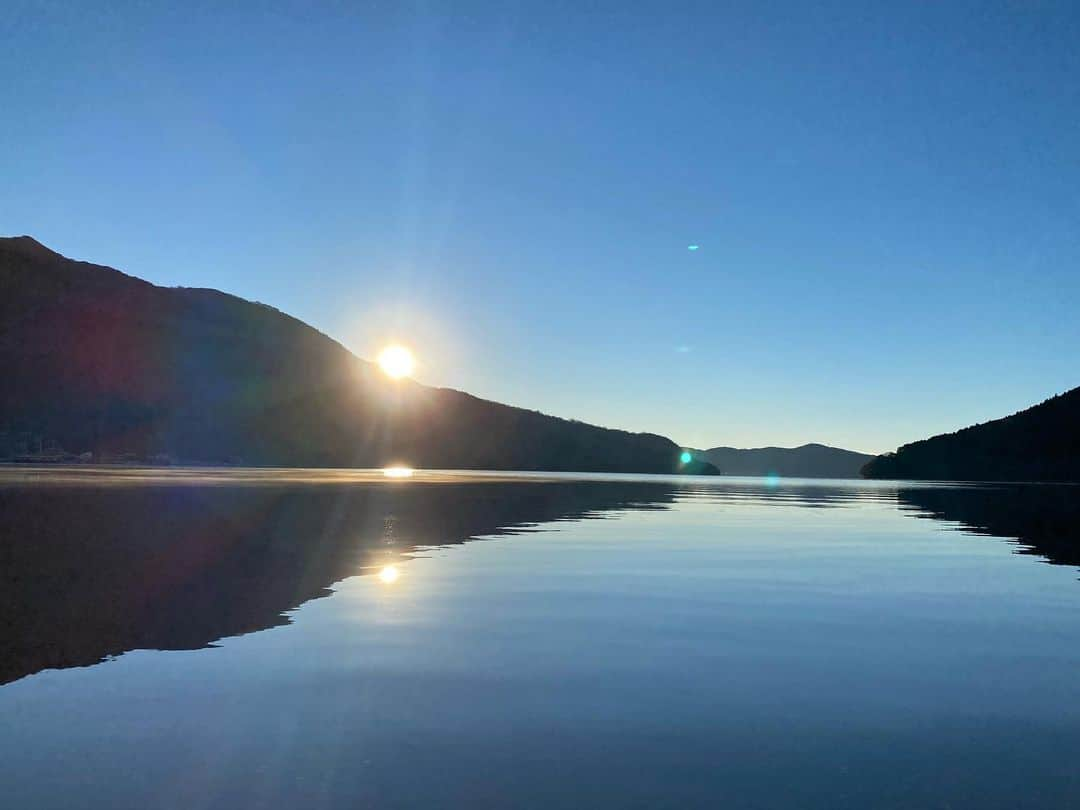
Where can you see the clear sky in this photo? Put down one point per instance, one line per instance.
(885, 196)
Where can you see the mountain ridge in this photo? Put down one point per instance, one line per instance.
(1039, 443)
(102, 361)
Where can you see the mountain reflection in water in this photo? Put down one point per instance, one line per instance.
(1043, 519)
(179, 562)
(97, 563)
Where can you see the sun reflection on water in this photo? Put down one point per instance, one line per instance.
(397, 472)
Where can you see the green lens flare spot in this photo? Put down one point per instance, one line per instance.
(685, 457)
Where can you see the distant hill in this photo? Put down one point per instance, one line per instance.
(94, 360)
(807, 461)
(1041, 443)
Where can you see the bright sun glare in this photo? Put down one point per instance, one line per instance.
(389, 574)
(396, 362)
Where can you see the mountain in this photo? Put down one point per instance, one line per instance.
(94, 360)
(1041, 443)
(807, 461)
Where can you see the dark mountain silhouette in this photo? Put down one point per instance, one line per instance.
(93, 360)
(807, 461)
(1041, 443)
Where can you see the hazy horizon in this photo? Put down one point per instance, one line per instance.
(883, 203)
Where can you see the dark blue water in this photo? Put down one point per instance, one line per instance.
(289, 639)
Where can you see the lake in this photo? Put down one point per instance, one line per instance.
(187, 638)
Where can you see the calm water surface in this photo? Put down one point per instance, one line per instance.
(285, 639)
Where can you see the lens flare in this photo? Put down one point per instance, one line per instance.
(685, 457)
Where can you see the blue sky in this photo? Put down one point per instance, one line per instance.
(885, 195)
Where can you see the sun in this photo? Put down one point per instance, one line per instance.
(396, 362)
(389, 574)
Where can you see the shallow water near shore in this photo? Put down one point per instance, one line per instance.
(297, 638)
